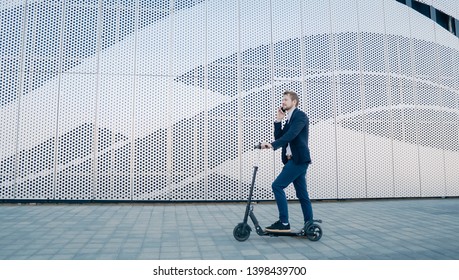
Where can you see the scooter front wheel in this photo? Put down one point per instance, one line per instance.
(241, 232)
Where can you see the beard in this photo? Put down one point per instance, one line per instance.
(287, 108)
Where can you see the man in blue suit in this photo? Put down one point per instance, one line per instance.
(293, 139)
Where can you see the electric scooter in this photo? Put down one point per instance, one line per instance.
(241, 232)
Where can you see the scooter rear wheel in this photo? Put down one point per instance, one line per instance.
(241, 232)
(313, 232)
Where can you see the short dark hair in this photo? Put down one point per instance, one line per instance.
(292, 96)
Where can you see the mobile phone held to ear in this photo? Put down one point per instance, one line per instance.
(282, 109)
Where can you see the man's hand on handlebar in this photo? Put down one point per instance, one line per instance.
(266, 145)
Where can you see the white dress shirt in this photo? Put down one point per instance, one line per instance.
(287, 118)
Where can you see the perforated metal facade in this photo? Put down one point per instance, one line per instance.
(164, 100)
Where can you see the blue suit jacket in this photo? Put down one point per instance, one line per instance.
(295, 132)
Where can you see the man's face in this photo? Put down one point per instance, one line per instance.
(287, 102)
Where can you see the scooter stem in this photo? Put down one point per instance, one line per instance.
(249, 200)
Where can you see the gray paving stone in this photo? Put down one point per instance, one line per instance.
(368, 229)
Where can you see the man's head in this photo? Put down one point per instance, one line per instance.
(289, 100)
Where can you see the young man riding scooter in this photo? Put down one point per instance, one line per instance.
(293, 139)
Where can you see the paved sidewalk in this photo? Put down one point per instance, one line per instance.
(371, 229)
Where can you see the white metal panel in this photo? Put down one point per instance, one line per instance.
(350, 139)
(429, 125)
(282, 28)
(151, 128)
(36, 163)
(322, 179)
(398, 35)
(223, 131)
(79, 40)
(451, 124)
(10, 90)
(8, 160)
(188, 145)
(452, 177)
(315, 17)
(117, 37)
(75, 154)
(446, 65)
(351, 163)
(397, 18)
(255, 23)
(371, 16)
(153, 43)
(405, 147)
(406, 170)
(222, 30)
(378, 137)
(320, 108)
(344, 16)
(287, 41)
(432, 166)
(114, 128)
(188, 45)
(179, 120)
(431, 131)
(10, 4)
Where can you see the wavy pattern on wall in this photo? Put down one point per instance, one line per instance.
(375, 101)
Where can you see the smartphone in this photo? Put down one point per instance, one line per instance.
(282, 109)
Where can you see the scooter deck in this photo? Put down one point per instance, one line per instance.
(284, 233)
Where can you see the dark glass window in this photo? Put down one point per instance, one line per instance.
(421, 7)
(453, 25)
(402, 1)
(443, 19)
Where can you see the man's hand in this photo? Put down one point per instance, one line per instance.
(280, 115)
(266, 145)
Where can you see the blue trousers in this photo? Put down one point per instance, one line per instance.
(296, 174)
